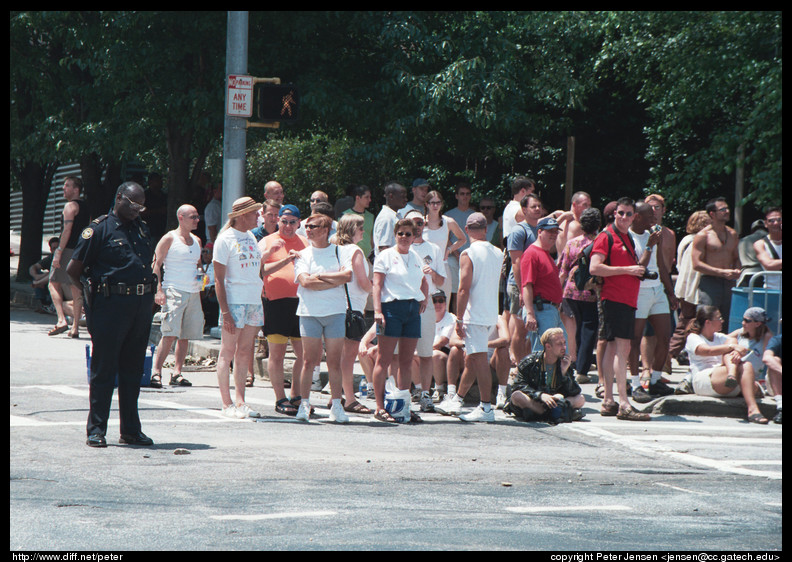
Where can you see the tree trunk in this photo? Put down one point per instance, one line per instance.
(179, 143)
(36, 180)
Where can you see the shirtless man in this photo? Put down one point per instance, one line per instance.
(572, 229)
(714, 255)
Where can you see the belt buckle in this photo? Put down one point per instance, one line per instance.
(139, 288)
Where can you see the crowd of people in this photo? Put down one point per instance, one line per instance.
(459, 295)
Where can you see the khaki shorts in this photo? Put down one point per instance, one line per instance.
(182, 315)
(702, 385)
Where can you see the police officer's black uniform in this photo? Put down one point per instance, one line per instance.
(117, 262)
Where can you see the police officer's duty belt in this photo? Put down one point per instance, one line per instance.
(125, 289)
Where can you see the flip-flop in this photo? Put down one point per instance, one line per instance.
(57, 330)
(758, 418)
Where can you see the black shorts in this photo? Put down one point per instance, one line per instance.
(618, 321)
(280, 317)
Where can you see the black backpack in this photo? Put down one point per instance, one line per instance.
(582, 274)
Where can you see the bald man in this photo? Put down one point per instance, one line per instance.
(178, 293)
(273, 191)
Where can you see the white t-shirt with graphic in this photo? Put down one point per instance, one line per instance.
(239, 252)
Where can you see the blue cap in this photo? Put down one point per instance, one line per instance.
(419, 182)
(547, 223)
(289, 209)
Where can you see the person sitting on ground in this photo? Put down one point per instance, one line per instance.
(717, 365)
(544, 382)
(772, 359)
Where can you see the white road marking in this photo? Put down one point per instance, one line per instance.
(683, 489)
(264, 516)
(653, 448)
(567, 508)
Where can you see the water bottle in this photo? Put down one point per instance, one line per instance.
(363, 388)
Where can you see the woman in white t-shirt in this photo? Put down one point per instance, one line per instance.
(350, 232)
(321, 272)
(237, 264)
(716, 362)
(400, 295)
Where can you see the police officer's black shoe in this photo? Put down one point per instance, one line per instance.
(96, 440)
(139, 439)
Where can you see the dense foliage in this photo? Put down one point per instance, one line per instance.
(668, 102)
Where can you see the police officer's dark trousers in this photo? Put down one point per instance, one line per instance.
(119, 327)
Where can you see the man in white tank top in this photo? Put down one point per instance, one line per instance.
(479, 277)
(178, 293)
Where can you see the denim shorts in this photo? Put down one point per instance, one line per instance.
(331, 327)
(402, 319)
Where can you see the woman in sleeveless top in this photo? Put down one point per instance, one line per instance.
(438, 228)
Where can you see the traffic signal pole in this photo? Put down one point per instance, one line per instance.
(235, 128)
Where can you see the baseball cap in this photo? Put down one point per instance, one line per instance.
(419, 182)
(547, 223)
(476, 220)
(289, 209)
(413, 213)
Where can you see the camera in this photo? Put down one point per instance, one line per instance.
(650, 275)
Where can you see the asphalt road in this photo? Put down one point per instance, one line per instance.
(677, 483)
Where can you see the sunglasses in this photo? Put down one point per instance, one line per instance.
(312, 226)
(135, 206)
(624, 213)
(290, 223)
(438, 301)
(405, 234)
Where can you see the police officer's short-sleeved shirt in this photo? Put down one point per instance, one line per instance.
(120, 252)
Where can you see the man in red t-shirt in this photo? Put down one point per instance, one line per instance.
(621, 274)
(541, 289)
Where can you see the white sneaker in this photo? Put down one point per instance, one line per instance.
(450, 406)
(246, 412)
(338, 415)
(303, 412)
(427, 405)
(500, 401)
(479, 415)
(229, 411)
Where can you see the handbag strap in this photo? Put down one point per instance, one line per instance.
(349, 302)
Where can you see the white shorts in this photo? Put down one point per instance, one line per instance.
(425, 347)
(182, 315)
(652, 301)
(476, 338)
(702, 385)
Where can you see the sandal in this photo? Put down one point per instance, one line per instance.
(758, 418)
(384, 416)
(249, 380)
(599, 390)
(631, 415)
(156, 381)
(609, 409)
(178, 380)
(357, 408)
(283, 406)
(57, 330)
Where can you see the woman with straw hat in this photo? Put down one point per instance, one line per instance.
(237, 265)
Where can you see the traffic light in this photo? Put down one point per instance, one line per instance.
(276, 102)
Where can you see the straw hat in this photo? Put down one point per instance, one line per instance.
(242, 206)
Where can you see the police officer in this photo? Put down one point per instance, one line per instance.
(114, 253)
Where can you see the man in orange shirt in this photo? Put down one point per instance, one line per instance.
(281, 322)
